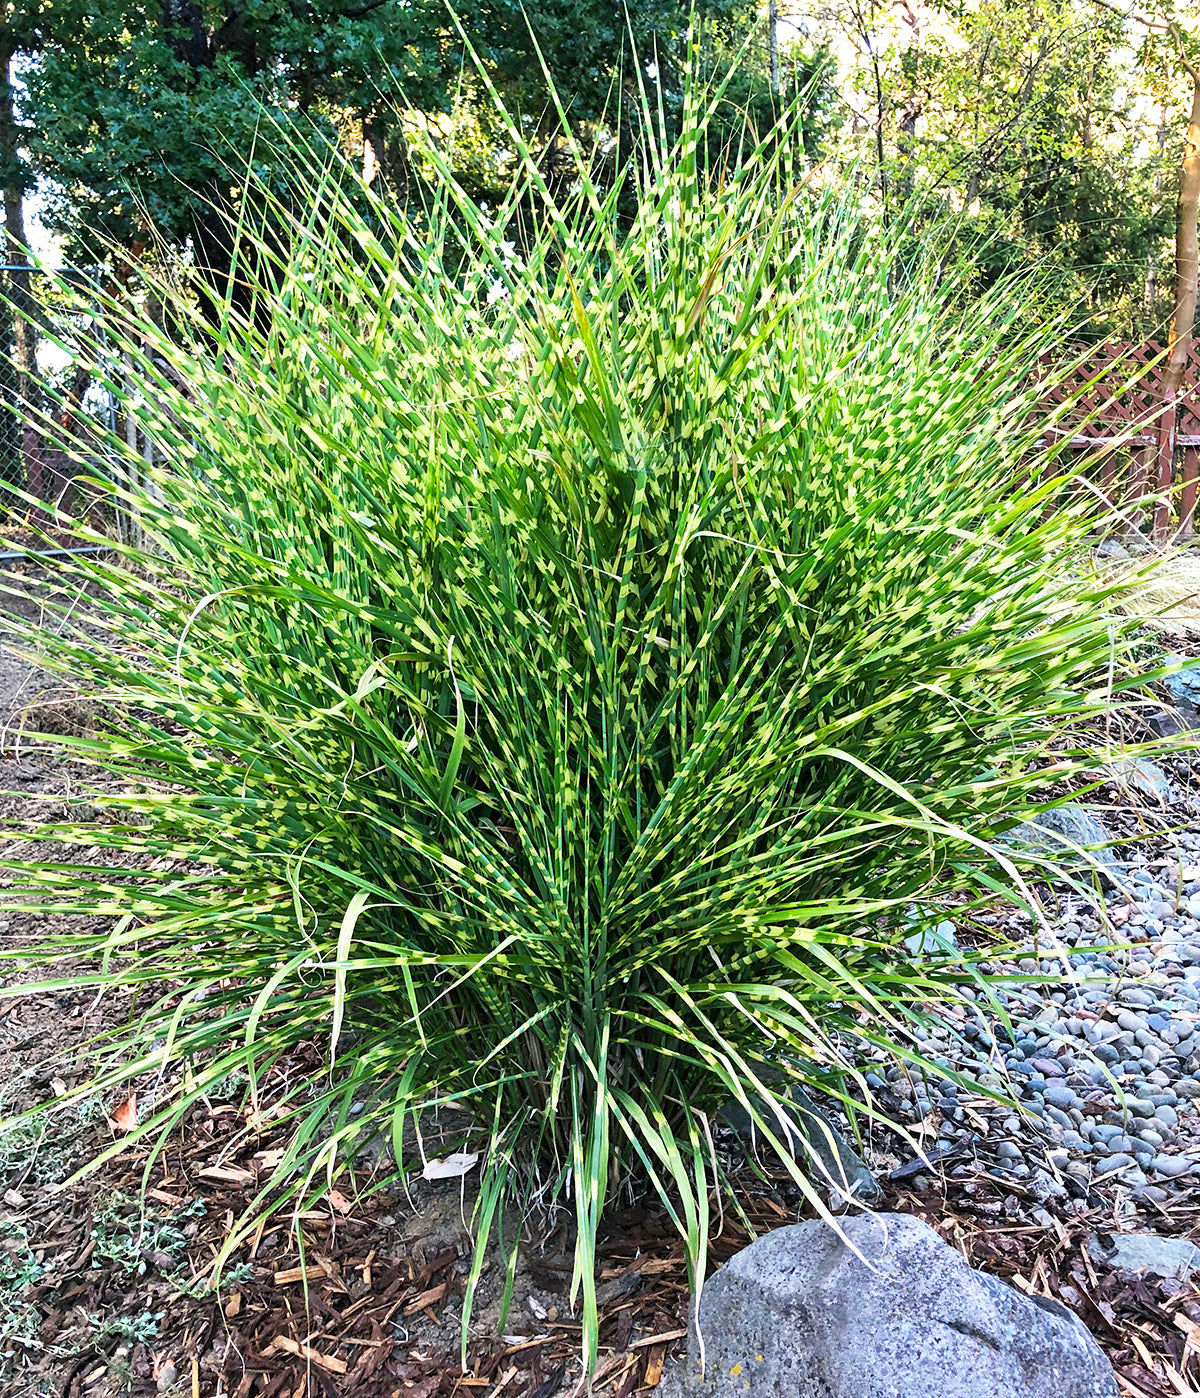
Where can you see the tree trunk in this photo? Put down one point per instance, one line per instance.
(22, 386)
(773, 43)
(880, 113)
(16, 250)
(1150, 294)
(1187, 266)
(370, 158)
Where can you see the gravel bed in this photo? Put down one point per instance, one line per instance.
(1102, 1055)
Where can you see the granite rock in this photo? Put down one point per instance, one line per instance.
(884, 1310)
(1146, 1252)
(1057, 832)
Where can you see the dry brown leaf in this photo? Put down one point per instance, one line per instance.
(124, 1118)
(339, 1201)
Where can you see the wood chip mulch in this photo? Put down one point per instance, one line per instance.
(367, 1313)
(362, 1295)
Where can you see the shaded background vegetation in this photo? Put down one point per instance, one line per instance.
(1054, 127)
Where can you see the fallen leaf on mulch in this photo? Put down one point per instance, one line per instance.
(124, 1118)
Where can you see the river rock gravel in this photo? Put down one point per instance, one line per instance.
(1082, 1066)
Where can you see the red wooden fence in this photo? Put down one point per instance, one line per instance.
(1147, 454)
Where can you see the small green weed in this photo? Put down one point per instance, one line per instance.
(204, 1287)
(19, 1270)
(45, 1150)
(230, 1088)
(138, 1329)
(132, 1237)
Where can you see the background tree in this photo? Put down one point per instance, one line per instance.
(138, 108)
(1022, 116)
(21, 30)
(1034, 120)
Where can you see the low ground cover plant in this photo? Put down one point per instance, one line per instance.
(552, 675)
(19, 1270)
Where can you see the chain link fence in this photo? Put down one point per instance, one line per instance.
(32, 458)
(14, 469)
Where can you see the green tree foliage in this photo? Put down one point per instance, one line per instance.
(136, 108)
(1038, 120)
(1033, 120)
(1030, 117)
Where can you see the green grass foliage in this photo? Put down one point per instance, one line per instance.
(548, 678)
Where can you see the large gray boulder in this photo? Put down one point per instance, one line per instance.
(799, 1314)
(1058, 831)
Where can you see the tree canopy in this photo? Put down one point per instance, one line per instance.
(136, 108)
(1053, 127)
(1042, 121)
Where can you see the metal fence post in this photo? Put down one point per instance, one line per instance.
(1187, 496)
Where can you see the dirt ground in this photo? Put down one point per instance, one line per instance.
(106, 1284)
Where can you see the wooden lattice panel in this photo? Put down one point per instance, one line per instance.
(1111, 397)
(1117, 388)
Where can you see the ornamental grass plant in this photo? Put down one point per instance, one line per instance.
(548, 679)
